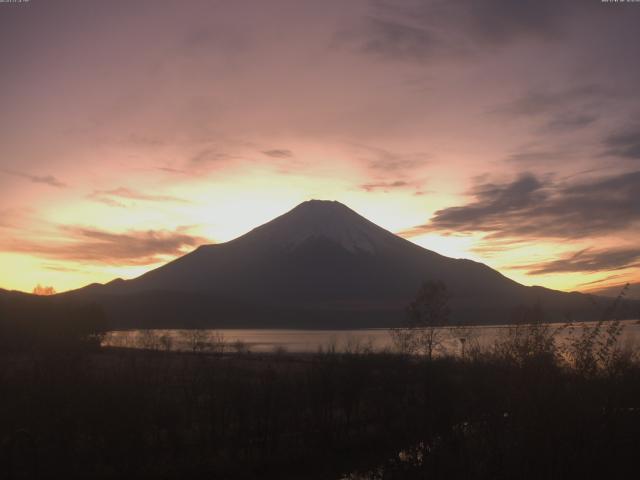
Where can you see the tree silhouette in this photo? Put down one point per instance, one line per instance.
(44, 290)
(426, 314)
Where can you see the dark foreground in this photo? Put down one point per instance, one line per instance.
(519, 411)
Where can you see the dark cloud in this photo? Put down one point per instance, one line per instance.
(278, 153)
(496, 22)
(385, 161)
(587, 261)
(421, 29)
(535, 157)
(492, 200)
(399, 40)
(95, 246)
(626, 145)
(46, 179)
(568, 121)
(110, 197)
(208, 155)
(384, 164)
(370, 187)
(530, 207)
(538, 101)
(560, 110)
(201, 161)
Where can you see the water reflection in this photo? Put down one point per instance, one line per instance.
(453, 340)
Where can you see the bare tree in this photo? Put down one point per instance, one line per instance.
(148, 340)
(166, 341)
(196, 340)
(240, 347)
(218, 342)
(426, 315)
(403, 340)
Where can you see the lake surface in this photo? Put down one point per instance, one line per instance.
(311, 341)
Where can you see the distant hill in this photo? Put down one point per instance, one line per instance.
(60, 322)
(632, 292)
(321, 265)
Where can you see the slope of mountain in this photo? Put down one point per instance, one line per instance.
(321, 265)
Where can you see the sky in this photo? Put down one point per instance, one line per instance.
(505, 132)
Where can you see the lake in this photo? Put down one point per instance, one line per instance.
(311, 341)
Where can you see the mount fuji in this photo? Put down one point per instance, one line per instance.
(320, 265)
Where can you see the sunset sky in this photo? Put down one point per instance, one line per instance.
(503, 131)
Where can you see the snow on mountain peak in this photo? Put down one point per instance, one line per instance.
(324, 219)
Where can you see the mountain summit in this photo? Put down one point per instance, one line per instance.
(320, 265)
(324, 219)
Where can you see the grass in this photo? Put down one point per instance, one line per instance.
(511, 411)
(526, 407)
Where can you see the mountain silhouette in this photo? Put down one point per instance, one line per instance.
(320, 265)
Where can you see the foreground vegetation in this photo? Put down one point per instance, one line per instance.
(522, 409)
(526, 407)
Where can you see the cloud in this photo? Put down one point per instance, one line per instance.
(62, 268)
(568, 121)
(204, 159)
(142, 140)
(534, 157)
(370, 187)
(626, 145)
(46, 179)
(382, 164)
(537, 101)
(95, 246)
(602, 280)
(419, 30)
(173, 170)
(15, 217)
(384, 161)
(559, 110)
(400, 41)
(208, 155)
(587, 261)
(531, 207)
(278, 153)
(109, 197)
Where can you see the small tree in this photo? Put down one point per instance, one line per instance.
(403, 340)
(196, 340)
(426, 315)
(149, 340)
(44, 290)
(240, 347)
(166, 341)
(596, 350)
(529, 339)
(218, 342)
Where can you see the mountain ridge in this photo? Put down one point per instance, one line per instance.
(319, 265)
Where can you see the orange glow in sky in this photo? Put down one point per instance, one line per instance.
(130, 138)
